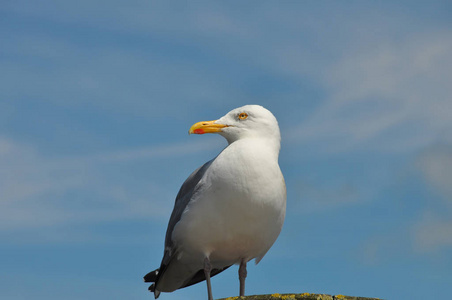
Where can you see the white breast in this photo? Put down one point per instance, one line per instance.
(239, 209)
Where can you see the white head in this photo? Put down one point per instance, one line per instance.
(249, 121)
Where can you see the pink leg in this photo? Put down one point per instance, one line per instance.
(242, 276)
(207, 269)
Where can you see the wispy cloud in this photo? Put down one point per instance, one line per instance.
(433, 233)
(31, 185)
(429, 235)
(393, 97)
(86, 75)
(311, 198)
(428, 231)
(435, 163)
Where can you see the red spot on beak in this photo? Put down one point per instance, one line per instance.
(199, 131)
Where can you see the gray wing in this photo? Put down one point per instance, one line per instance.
(184, 196)
(186, 192)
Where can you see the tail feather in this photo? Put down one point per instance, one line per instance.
(199, 276)
(152, 290)
(152, 277)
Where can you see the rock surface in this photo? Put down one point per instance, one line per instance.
(304, 296)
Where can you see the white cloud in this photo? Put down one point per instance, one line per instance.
(383, 247)
(427, 233)
(435, 164)
(394, 96)
(311, 198)
(111, 78)
(432, 233)
(38, 191)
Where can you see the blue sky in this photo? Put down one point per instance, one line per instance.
(96, 98)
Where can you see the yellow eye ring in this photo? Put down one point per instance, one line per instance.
(243, 116)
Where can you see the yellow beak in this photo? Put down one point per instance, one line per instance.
(206, 127)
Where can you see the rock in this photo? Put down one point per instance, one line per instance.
(304, 296)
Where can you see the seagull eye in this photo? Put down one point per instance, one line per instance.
(243, 116)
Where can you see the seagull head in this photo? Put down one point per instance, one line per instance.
(249, 121)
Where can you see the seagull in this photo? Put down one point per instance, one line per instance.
(230, 210)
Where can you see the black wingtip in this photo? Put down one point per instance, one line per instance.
(151, 276)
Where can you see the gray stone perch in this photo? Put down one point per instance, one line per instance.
(303, 296)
